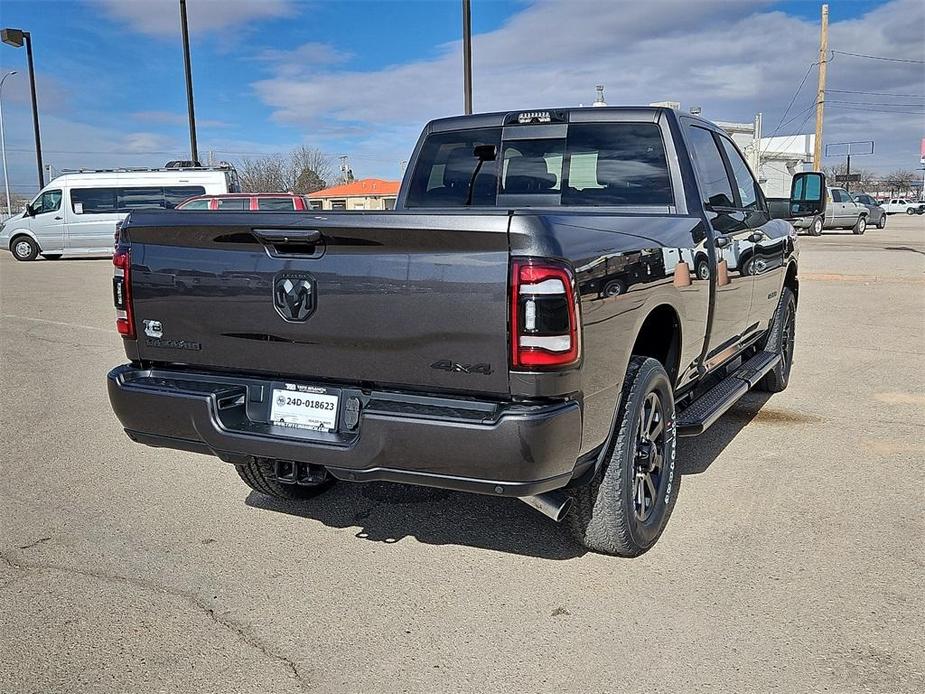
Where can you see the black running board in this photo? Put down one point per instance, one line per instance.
(705, 410)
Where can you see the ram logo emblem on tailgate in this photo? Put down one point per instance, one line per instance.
(294, 295)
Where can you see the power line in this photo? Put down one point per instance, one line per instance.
(793, 99)
(881, 57)
(878, 110)
(853, 91)
(873, 103)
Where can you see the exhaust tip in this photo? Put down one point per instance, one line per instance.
(555, 504)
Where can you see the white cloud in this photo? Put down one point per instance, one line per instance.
(162, 17)
(733, 59)
(303, 59)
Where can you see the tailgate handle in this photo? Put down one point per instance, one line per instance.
(305, 243)
(283, 237)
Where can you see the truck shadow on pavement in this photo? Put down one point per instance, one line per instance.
(388, 513)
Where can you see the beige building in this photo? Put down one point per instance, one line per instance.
(365, 194)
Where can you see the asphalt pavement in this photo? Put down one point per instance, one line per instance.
(793, 561)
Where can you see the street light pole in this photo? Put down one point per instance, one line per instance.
(16, 38)
(467, 55)
(184, 29)
(6, 176)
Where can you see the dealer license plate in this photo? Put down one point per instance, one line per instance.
(304, 410)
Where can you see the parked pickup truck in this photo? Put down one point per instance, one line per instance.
(841, 211)
(530, 322)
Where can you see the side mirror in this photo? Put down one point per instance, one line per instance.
(807, 194)
(29, 210)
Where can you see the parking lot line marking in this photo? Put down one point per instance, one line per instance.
(56, 322)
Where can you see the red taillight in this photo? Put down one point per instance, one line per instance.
(544, 315)
(122, 293)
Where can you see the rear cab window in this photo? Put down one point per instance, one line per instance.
(583, 164)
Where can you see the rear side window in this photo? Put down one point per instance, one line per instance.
(275, 204)
(234, 204)
(140, 198)
(94, 200)
(174, 195)
(715, 187)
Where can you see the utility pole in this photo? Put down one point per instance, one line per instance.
(820, 94)
(467, 55)
(184, 29)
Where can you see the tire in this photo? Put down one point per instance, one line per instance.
(607, 517)
(781, 340)
(860, 226)
(703, 270)
(815, 228)
(258, 475)
(881, 223)
(910, 210)
(51, 256)
(24, 248)
(614, 288)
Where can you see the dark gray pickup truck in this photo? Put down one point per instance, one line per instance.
(559, 295)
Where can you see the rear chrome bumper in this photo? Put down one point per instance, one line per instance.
(504, 449)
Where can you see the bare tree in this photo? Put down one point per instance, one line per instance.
(304, 170)
(901, 181)
(266, 174)
(309, 170)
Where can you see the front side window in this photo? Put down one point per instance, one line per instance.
(715, 187)
(745, 182)
(275, 204)
(49, 201)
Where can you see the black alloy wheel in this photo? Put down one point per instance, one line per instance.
(651, 451)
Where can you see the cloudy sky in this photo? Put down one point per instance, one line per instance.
(361, 78)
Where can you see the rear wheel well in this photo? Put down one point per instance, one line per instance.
(660, 338)
(792, 282)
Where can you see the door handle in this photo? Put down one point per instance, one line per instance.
(59, 217)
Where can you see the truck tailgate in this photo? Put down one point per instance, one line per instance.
(392, 299)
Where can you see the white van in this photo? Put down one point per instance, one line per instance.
(77, 212)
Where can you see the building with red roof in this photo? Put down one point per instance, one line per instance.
(364, 194)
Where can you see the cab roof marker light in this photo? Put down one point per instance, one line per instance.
(534, 117)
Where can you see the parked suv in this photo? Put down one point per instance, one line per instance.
(877, 215)
(240, 202)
